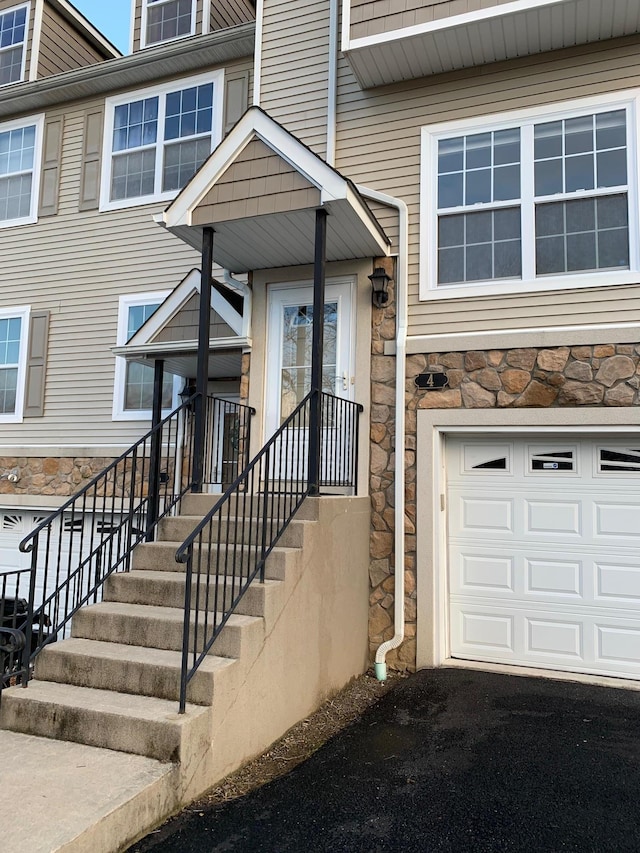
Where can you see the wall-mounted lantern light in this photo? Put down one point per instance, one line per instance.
(380, 286)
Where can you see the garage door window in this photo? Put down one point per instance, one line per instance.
(622, 461)
(552, 461)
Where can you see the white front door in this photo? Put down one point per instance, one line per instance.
(544, 557)
(289, 347)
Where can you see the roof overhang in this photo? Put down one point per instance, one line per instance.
(281, 238)
(124, 72)
(498, 32)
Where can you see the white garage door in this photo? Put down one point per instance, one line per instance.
(16, 524)
(544, 553)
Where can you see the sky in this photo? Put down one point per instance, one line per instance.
(112, 18)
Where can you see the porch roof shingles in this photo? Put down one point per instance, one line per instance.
(259, 191)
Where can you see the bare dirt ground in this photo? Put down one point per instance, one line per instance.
(301, 741)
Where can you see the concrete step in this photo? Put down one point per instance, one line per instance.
(241, 531)
(160, 557)
(162, 627)
(168, 588)
(129, 669)
(143, 725)
(277, 505)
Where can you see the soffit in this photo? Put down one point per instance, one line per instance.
(496, 33)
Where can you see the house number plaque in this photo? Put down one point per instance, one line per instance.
(432, 381)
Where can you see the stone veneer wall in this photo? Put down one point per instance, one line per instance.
(38, 475)
(599, 375)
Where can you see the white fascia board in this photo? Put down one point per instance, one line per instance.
(368, 220)
(451, 22)
(255, 122)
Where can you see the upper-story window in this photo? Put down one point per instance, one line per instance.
(157, 139)
(166, 20)
(13, 31)
(19, 171)
(532, 202)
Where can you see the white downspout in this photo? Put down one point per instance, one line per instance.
(402, 297)
(257, 54)
(332, 83)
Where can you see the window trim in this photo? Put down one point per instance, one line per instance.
(38, 122)
(431, 134)
(24, 313)
(119, 412)
(143, 26)
(23, 65)
(161, 91)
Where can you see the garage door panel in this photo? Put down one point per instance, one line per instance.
(544, 564)
(554, 517)
(554, 637)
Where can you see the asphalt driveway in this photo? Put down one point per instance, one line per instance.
(449, 760)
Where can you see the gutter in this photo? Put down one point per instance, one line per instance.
(124, 72)
(402, 295)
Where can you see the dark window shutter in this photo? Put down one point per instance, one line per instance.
(36, 365)
(91, 153)
(236, 99)
(51, 156)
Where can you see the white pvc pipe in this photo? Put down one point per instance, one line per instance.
(402, 297)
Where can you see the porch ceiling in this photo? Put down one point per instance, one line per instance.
(284, 239)
(259, 191)
(181, 359)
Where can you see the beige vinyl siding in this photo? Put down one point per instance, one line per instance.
(184, 326)
(79, 282)
(295, 68)
(11, 4)
(229, 13)
(379, 146)
(372, 17)
(62, 47)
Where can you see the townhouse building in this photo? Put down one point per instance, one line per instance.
(457, 181)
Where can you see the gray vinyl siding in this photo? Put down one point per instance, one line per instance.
(295, 68)
(112, 254)
(379, 146)
(184, 326)
(62, 47)
(373, 17)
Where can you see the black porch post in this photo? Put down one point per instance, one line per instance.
(156, 447)
(202, 370)
(317, 343)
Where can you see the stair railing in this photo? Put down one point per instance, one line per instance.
(92, 535)
(14, 597)
(229, 548)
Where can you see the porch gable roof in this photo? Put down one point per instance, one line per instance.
(158, 339)
(259, 191)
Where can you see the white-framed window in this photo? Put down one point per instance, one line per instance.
(540, 200)
(20, 156)
(167, 20)
(133, 386)
(13, 35)
(14, 332)
(156, 139)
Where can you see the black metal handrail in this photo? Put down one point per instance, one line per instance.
(228, 549)
(14, 595)
(92, 535)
